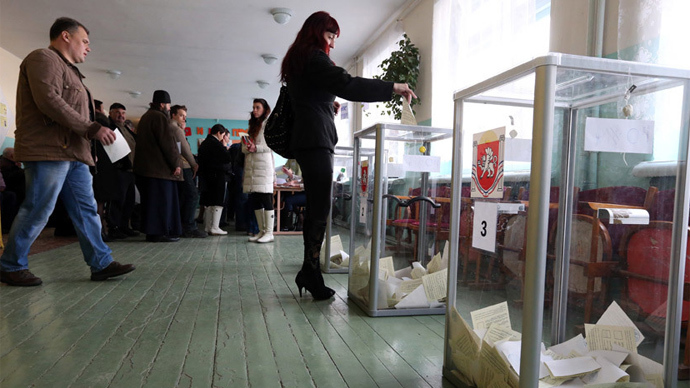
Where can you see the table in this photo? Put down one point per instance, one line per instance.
(277, 190)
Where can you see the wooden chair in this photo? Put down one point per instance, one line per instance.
(646, 256)
(590, 261)
(470, 254)
(403, 219)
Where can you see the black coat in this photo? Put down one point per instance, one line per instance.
(213, 158)
(312, 94)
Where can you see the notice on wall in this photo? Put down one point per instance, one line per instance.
(619, 135)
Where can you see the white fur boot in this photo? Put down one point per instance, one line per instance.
(260, 221)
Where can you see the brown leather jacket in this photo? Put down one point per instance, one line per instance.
(53, 110)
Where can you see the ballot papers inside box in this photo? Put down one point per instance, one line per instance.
(400, 208)
(487, 353)
(411, 290)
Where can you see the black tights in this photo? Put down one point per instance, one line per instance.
(317, 175)
(261, 201)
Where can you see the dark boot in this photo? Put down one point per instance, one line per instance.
(310, 277)
(286, 221)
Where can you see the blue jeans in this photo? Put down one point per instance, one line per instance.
(44, 182)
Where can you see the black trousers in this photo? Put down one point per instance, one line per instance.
(317, 176)
(119, 211)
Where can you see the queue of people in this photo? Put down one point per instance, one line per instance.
(62, 137)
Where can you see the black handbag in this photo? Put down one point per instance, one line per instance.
(279, 125)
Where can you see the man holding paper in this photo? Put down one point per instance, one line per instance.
(55, 124)
(121, 207)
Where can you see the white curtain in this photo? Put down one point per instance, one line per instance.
(655, 31)
(477, 39)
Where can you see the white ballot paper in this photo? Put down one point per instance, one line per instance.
(435, 264)
(576, 344)
(603, 337)
(386, 264)
(609, 373)
(615, 316)
(119, 149)
(408, 286)
(572, 367)
(416, 299)
(435, 285)
(496, 314)
(407, 115)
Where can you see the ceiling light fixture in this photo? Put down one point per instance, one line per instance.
(281, 15)
(269, 58)
(262, 84)
(134, 93)
(114, 74)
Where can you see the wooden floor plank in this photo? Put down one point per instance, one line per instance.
(216, 312)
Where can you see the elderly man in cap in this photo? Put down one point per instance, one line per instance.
(157, 168)
(55, 124)
(121, 207)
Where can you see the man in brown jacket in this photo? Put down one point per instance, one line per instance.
(187, 192)
(55, 124)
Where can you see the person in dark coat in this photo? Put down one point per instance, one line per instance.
(213, 156)
(313, 81)
(157, 168)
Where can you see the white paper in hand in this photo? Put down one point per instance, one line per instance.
(119, 149)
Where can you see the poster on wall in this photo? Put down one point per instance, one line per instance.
(6, 117)
(487, 163)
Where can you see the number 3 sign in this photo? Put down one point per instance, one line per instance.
(484, 226)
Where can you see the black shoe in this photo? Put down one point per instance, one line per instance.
(116, 234)
(130, 232)
(159, 238)
(106, 238)
(112, 270)
(21, 278)
(196, 233)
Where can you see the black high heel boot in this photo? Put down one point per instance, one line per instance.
(311, 279)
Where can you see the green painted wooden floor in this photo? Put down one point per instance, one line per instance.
(215, 312)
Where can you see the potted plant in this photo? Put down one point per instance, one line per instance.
(401, 67)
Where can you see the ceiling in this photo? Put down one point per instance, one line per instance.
(205, 53)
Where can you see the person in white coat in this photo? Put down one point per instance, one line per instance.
(259, 174)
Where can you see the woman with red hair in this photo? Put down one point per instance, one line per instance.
(313, 81)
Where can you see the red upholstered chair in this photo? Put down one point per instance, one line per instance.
(662, 206)
(646, 254)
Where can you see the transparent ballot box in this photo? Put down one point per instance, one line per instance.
(400, 211)
(570, 223)
(337, 240)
